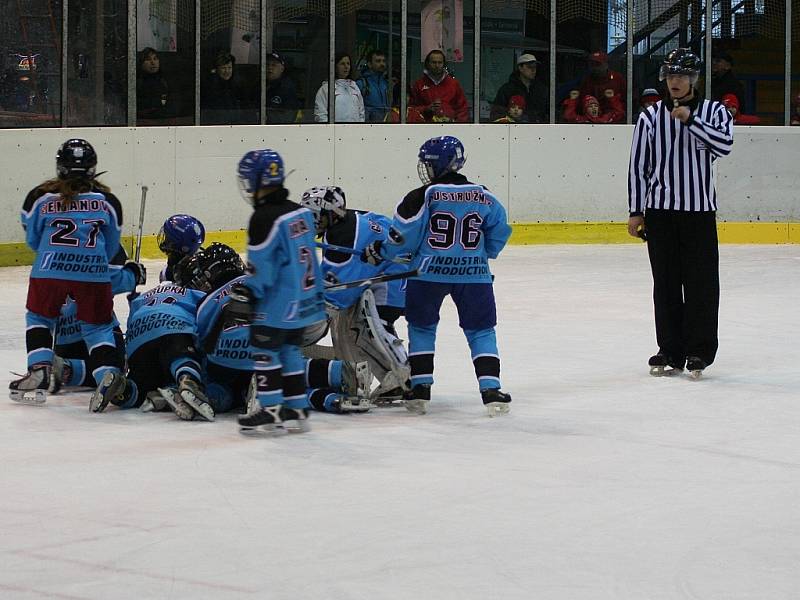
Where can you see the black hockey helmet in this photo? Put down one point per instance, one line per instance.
(76, 158)
(681, 61)
(218, 265)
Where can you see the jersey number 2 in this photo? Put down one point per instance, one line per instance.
(66, 227)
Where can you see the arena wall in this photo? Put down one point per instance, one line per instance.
(560, 183)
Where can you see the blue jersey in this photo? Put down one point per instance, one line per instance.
(165, 310)
(284, 274)
(357, 230)
(68, 329)
(74, 239)
(232, 347)
(452, 228)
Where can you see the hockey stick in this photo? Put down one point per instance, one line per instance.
(354, 252)
(346, 285)
(137, 253)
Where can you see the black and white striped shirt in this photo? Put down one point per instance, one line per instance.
(671, 163)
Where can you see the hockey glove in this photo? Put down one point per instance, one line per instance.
(239, 309)
(372, 253)
(139, 271)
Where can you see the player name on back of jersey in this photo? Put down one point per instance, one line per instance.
(475, 195)
(75, 205)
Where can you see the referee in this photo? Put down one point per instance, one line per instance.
(673, 206)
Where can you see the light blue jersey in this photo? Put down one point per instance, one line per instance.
(73, 240)
(165, 310)
(357, 230)
(232, 345)
(452, 228)
(284, 274)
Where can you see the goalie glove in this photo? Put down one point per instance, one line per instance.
(239, 309)
(139, 271)
(372, 253)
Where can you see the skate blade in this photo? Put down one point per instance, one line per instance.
(695, 375)
(98, 402)
(418, 407)
(359, 406)
(296, 426)
(497, 408)
(387, 401)
(201, 407)
(30, 397)
(182, 410)
(664, 371)
(268, 430)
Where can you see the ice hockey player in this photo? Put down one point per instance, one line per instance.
(335, 386)
(452, 227)
(281, 295)
(72, 223)
(362, 320)
(179, 236)
(162, 354)
(71, 353)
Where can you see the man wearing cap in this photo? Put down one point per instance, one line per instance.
(723, 81)
(522, 82)
(282, 101)
(606, 85)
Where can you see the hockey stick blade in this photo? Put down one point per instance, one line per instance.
(346, 285)
(345, 250)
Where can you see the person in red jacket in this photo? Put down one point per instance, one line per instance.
(606, 85)
(592, 111)
(731, 102)
(437, 95)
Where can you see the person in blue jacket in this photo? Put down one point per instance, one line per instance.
(452, 227)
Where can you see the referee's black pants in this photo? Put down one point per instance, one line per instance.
(684, 258)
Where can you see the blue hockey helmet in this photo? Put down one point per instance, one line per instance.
(440, 155)
(76, 158)
(182, 234)
(259, 169)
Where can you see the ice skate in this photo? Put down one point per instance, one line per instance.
(356, 379)
(294, 420)
(496, 402)
(32, 387)
(192, 393)
(348, 404)
(390, 397)
(264, 419)
(661, 364)
(182, 410)
(111, 389)
(154, 402)
(61, 372)
(420, 397)
(695, 366)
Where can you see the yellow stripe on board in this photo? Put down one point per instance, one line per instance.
(17, 253)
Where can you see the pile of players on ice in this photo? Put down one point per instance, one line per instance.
(215, 336)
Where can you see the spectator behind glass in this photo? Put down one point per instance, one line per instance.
(731, 102)
(282, 103)
(592, 110)
(607, 86)
(522, 82)
(515, 112)
(723, 81)
(349, 103)
(155, 103)
(222, 97)
(437, 95)
(796, 110)
(649, 97)
(375, 87)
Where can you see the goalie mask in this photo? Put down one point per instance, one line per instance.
(327, 204)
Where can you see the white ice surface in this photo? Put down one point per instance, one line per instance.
(603, 482)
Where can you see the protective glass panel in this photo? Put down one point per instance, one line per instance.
(30, 56)
(230, 62)
(97, 69)
(515, 61)
(165, 81)
(441, 61)
(591, 62)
